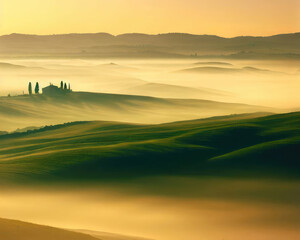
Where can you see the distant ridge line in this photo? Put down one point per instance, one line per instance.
(146, 34)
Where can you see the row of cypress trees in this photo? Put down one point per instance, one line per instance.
(64, 86)
(36, 89)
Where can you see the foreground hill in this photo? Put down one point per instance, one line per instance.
(17, 230)
(24, 111)
(241, 145)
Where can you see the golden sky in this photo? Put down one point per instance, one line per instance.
(220, 17)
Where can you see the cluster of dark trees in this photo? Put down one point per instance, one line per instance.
(64, 86)
(36, 89)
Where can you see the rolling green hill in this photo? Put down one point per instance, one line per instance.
(237, 145)
(40, 110)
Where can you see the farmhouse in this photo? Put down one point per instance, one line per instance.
(53, 90)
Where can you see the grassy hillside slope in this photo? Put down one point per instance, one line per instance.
(242, 145)
(40, 110)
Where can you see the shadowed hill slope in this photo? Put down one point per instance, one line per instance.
(242, 145)
(214, 64)
(225, 70)
(110, 236)
(4, 66)
(171, 91)
(24, 111)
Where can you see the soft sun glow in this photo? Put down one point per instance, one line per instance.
(226, 18)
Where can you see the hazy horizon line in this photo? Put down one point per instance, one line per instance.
(140, 33)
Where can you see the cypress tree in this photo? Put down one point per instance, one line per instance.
(65, 88)
(29, 88)
(69, 87)
(37, 88)
(61, 84)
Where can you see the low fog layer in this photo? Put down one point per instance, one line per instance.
(264, 83)
(267, 83)
(166, 209)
